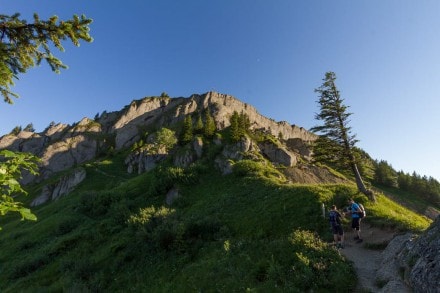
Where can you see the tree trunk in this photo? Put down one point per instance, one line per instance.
(360, 184)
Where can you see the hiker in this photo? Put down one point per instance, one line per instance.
(355, 219)
(336, 225)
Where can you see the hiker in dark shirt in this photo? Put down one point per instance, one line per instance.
(335, 219)
(355, 219)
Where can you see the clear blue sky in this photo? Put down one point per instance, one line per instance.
(270, 54)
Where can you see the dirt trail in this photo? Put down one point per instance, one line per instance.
(366, 261)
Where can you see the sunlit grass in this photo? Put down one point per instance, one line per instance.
(387, 213)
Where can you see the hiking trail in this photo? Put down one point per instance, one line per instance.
(366, 261)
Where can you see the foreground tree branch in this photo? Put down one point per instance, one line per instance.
(24, 45)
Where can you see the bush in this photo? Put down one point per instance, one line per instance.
(257, 169)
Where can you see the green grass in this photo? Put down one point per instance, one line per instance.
(408, 199)
(389, 214)
(247, 231)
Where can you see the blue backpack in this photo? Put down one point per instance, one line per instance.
(333, 218)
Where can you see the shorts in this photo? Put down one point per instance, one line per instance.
(356, 223)
(337, 230)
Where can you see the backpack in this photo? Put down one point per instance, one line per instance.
(333, 218)
(362, 213)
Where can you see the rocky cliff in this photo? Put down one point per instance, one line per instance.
(413, 261)
(64, 146)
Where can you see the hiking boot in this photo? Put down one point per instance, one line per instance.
(356, 238)
(359, 240)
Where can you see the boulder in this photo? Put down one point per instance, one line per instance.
(390, 267)
(416, 259)
(278, 154)
(423, 260)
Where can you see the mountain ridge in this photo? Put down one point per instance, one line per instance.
(62, 146)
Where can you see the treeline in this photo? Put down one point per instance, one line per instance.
(425, 187)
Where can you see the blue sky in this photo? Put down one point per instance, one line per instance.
(270, 54)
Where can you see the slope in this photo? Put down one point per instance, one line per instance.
(245, 230)
(212, 214)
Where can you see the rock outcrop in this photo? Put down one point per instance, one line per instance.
(423, 260)
(61, 188)
(64, 146)
(414, 261)
(278, 154)
(234, 152)
(143, 161)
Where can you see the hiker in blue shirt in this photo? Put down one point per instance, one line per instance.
(355, 220)
(336, 225)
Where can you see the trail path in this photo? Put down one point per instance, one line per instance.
(366, 261)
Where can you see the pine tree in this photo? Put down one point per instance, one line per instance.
(16, 130)
(24, 45)
(198, 128)
(243, 123)
(385, 174)
(336, 142)
(187, 131)
(210, 128)
(29, 127)
(235, 127)
(404, 180)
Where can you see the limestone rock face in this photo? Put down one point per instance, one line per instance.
(234, 152)
(224, 106)
(65, 154)
(166, 111)
(62, 146)
(278, 154)
(142, 161)
(300, 146)
(185, 158)
(140, 114)
(61, 188)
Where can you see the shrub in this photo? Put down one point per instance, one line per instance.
(258, 169)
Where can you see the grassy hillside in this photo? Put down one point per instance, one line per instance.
(246, 231)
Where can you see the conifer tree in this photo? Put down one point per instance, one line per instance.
(29, 127)
(24, 45)
(16, 130)
(187, 131)
(243, 122)
(198, 128)
(336, 142)
(235, 127)
(384, 174)
(210, 128)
